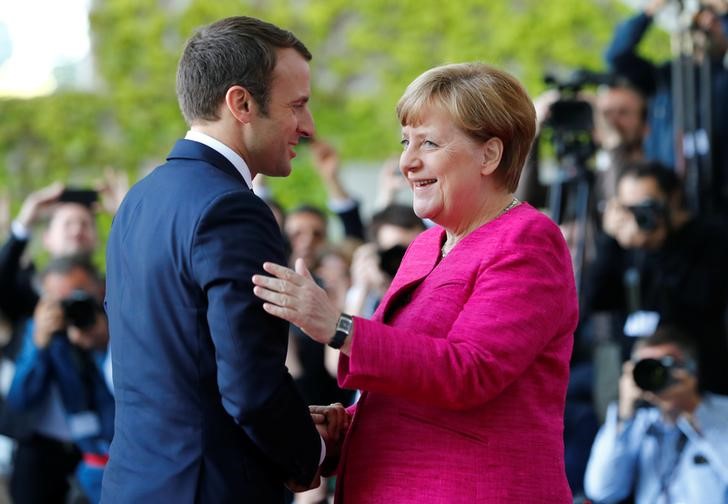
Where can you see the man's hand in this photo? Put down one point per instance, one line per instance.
(653, 7)
(620, 224)
(390, 182)
(112, 190)
(37, 202)
(366, 273)
(95, 337)
(47, 319)
(629, 392)
(325, 159)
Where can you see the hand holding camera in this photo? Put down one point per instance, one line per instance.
(76, 316)
(662, 381)
(629, 225)
(48, 319)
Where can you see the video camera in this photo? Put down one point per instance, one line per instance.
(654, 375)
(571, 119)
(80, 309)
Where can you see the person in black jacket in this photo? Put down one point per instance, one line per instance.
(658, 264)
(71, 230)
(655, 80)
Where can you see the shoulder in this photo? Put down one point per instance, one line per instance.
(524, 230)
(716, 402)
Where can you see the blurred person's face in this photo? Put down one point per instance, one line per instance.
(306, 233)
(681, 395)
(59, 286)
(333, 270)
(636, 192)
(444, 168)
(271, 138)
(389, 235)
(709, 30)
(71, 230)
(621, 123)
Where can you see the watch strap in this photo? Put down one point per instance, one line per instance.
(343, 329)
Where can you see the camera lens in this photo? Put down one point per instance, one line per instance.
(648, 214)
(80, 309)
(653, 375)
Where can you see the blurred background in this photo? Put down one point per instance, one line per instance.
(89, 84)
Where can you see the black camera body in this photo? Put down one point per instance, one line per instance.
(654, 375)
(80, 309)
(391, 258)
(571, 119)
(648, 214)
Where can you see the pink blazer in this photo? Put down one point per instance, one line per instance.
(464, 387)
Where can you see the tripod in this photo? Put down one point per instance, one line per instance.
(692, 113)
(570, 196)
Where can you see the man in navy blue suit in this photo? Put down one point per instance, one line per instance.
(205, 408)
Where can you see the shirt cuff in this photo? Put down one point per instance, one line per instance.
(19, 231)
(323, 450)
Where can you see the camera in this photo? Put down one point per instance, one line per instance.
(571, 119)
(391, 258)
(80, 309)
(648, 214)
(654, 375)
(86, 197)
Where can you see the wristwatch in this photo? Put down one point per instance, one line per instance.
(343, 329)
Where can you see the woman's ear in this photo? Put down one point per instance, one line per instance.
(240, 103)
(492, 154)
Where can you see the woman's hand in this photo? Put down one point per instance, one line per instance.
(332, 422)
(294, 296)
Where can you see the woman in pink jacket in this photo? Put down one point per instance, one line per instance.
(463, 368)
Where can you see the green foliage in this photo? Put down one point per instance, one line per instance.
(365, 53)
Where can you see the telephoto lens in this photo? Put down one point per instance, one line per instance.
(653, 375)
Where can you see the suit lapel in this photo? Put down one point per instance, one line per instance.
(188, 149)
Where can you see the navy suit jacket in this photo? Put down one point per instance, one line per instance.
(205, 408)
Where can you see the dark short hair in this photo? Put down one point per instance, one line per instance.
(667, 180)
(396, 215)
(671, 335)
(66, 264)
(309, 209)
(235, 51)
(622, 82)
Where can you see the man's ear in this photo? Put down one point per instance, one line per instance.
(492, 154)
(240, 103)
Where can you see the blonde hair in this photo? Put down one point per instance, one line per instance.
(484, 102)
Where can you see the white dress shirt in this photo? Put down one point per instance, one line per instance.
(232, 156)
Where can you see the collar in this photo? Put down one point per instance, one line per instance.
(232, 156)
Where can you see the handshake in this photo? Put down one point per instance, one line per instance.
(332, 423)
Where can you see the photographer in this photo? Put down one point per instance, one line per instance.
(658, 264)
(709, 29)
(673, 450)
(61, 380)
(70, 230)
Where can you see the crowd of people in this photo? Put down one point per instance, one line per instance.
(446, 349)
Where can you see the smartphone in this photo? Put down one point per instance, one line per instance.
(85, 197)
